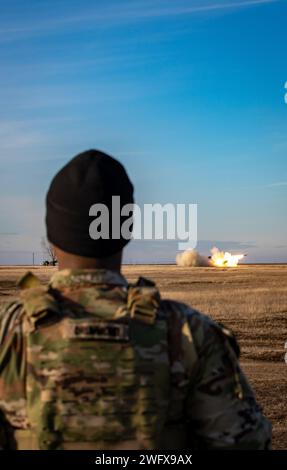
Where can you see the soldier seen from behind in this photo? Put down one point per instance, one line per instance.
(92, 362)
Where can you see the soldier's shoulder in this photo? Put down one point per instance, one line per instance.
(34, 302)
(10, 311)
(203, 328)
(185, 312)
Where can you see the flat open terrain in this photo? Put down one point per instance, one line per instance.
(250, 300)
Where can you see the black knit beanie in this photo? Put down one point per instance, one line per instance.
(90, 178)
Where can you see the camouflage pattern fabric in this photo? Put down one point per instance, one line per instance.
(89, 362)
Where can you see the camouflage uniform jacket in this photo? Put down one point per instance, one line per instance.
(91, 362)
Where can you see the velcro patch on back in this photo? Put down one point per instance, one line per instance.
(143, 303)
(100, 331)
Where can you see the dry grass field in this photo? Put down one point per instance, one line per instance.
(250, 300)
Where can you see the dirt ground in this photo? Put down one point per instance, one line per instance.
(250, 300)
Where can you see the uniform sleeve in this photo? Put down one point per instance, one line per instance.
(221, 406)
(12, 373)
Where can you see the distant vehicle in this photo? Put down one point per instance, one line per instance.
(50, 263)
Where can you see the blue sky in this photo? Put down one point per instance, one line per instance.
(189, 95)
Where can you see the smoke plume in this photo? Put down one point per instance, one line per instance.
(191, 258)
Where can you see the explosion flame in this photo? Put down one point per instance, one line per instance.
(222, 259)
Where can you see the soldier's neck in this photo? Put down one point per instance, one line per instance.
(70, 261)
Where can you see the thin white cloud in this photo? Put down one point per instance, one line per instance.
(277, 185)
(127, 12)
(15, 135)
(187, 9)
